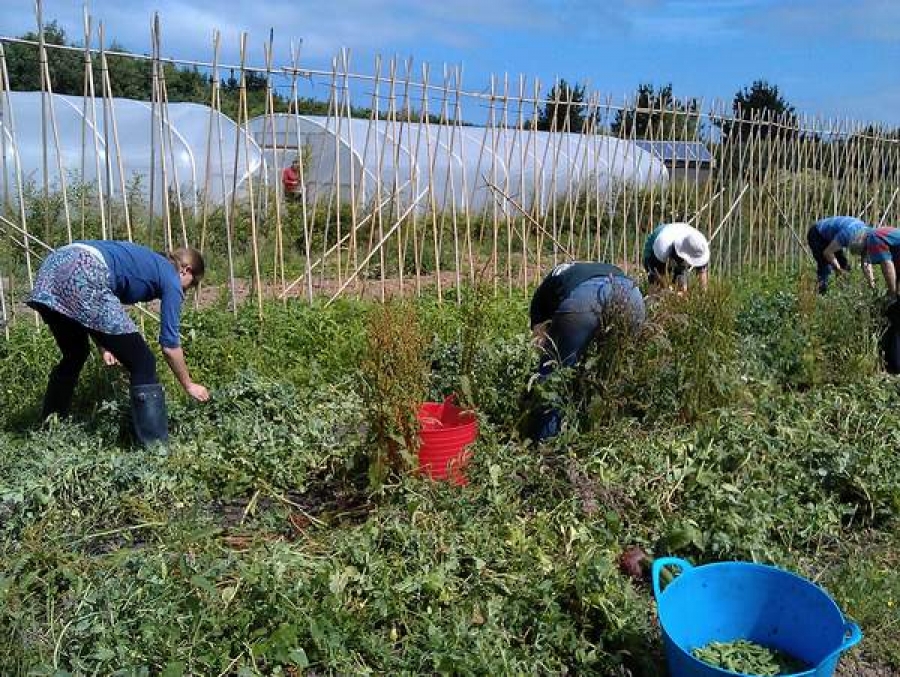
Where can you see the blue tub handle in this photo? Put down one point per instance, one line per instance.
(661, 562)
(852, 636)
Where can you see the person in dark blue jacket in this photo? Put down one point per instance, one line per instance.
(79, 292)
(570, 307)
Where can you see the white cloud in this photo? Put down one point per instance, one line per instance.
(323, 27)
(877, 20)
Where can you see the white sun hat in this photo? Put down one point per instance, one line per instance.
(693, 249)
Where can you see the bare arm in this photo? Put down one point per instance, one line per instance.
(869, 273)
(175, 359)
(704, 278)
(890, 276)
(833, 248)
(539, 333)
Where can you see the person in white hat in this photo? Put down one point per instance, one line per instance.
(671, 251)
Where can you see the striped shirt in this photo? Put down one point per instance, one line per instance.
(882, 244)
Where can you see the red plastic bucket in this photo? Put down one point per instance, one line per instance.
(444, 433)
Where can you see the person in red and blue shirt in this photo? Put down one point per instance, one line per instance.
(882, 246)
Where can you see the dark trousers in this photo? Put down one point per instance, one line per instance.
(817, 244)
(130, 350)
(573, 328)
(890, 340)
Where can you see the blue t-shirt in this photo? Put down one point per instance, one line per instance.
(881, 243)
(140, 274)
(840, 228)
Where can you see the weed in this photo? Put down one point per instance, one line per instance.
(395, 379)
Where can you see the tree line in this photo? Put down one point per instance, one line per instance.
(132, 78)
(656, 113)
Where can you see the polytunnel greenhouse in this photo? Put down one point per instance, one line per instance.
(122, 145)
(367, 160)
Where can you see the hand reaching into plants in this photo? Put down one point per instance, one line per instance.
(197, 391)
(109, 359)
(539, 334)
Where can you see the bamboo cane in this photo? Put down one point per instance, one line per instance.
(10, 123)
(231, 223)
(154, 103)
(58, 148)
(538, 208)
(887, 209)
(490, 184)
(353, 255)
(521, 146)
(372, 253)
(167, 139)
(45, 166)
(415, 180)
(307, 274)
(108, 122)
(4, 167)
(504, 129)
(379, 155)
(4, 318)
(437, 145)
(396, 140)
(787, 222)
(278, 273)
(244, 132)
(432, 205)
(728, 213)
(334, 112)
(211, 124)
(108, 102)
(457, 115)
(304, 216)
(450, 186)
(90, 96)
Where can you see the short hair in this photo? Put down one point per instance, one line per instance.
(190, 257)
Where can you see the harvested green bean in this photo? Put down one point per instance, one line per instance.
(749, 658)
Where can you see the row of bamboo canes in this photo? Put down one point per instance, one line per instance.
(766, 185)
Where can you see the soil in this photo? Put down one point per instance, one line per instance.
(853, 665)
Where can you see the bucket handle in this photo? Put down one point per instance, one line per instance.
(657, 568)
(852, 637)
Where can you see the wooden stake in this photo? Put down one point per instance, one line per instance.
(10, 123)
(307, 274)
(307, 236)
(376, 248)
(728, 214)
(512, 201)
(90, 115)
(244, 132)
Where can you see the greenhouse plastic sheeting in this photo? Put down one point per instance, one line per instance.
(369, 161)
(198, 148)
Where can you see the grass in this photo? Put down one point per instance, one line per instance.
(253, 545)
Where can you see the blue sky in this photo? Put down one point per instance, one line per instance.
(833, 58)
